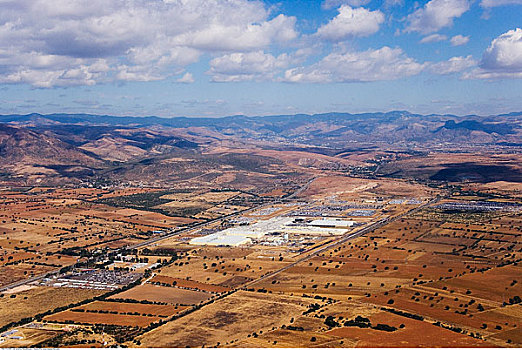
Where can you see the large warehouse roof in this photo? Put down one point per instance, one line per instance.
(332, 223)
(220, 239)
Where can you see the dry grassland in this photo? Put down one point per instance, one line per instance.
(38, 300)
(161, 294)
(29, 338)
(414, 334)
(431, 268)
(217, 266)
(48, 222)
(348, 188)
(226, 320)
(189, 284)
(97, 318)
(122, 308)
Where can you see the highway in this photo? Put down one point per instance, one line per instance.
(301, 189)
(28, 280)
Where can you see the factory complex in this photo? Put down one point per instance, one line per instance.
(277, 226)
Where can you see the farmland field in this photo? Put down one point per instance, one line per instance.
(130, 308)
(183, 283)
(170, 295)
(15, 306)
(101, 318)
(226, 320)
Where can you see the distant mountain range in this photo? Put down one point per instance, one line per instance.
(182, 122)
(80, 145)
(318, 129)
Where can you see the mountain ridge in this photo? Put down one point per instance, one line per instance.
(86, 145)
(78, 117)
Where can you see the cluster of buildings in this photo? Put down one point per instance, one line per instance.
(130, 263)
(407, 201)
(270, 228)
(338, 209)
(298, 225)
(479, 206)
(12, 334)
(93, 279)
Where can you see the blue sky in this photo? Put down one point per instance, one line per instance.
(226, 57)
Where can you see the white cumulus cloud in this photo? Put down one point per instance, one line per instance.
(459, 40)
(241, 66)
(187, 78)
(494, 3)
(351, 22)
(502, 59)
(372, 65)
(505, 52)
(328, 4)
(453, 65)
(64, 42)
(433, 38)
(435, 15)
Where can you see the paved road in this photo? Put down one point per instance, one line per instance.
(302, 188)
(29, 280)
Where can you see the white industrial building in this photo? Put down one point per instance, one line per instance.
(332, 223)
(220, 238)
(315, 231)
(236, 236)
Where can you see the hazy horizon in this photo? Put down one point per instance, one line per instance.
(253, 116)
